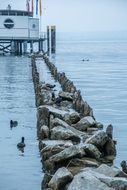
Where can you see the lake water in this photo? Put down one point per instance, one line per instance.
(102, 80)
(18, 171)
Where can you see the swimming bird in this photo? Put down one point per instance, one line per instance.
(21, 144)
(13, 123)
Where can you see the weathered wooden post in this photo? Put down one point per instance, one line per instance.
(20, 48)
(25, 47)
(53, 39)
(31, 47)
(48, 39)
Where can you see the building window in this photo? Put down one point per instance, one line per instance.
(8, 23)
(33, 26)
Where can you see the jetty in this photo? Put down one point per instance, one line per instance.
(76, 151)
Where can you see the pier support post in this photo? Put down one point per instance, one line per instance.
(31, 47)
(25, 47)
(20, 44)
(48, 40)
(53, 39)
(12, 47)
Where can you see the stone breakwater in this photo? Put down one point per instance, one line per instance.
(76, 152)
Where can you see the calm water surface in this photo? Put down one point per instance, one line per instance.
(18, 171)
(102, 81)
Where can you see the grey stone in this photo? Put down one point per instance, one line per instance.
(98, 139)
(44, 132)
(91, 151)
(87, 181)
(67, 154)
(85, 123)
(61, 133)
(60, 179)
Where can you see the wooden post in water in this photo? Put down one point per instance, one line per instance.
(53, 39)
(20, 44)
(31, 47)
(12, 47)
(25, 47)
(48, 40)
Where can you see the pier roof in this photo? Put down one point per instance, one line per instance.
(15, 12)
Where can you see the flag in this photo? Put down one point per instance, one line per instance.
(27, 5)
(36, 7)
(40, 7)
(32, 6)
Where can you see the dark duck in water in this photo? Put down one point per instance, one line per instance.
(13, 123)
(21, 144)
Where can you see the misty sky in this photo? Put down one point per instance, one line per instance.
(80, 15)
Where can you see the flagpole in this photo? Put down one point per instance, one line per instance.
(40, 7)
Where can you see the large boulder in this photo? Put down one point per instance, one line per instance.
(110, 171)
(50, 150)
(98, 139)
(59, 122)
(67, 154)
(47, 143)
(91, 151)
(44, 132)
(60, 179)
(85, 123)
(66, 95)
(117, 183)
(62, 133)
(62, 158)
(87, 181)
(74, 118)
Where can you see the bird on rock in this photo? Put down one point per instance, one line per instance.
(50, 85)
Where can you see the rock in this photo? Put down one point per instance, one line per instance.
(49, 151)
(74, 118)
(83, 162)
(99, 125)
(110, 171)
(67, 154)
(98, 139)
(87, 181)
(109, 131)
(61, 133)
(45, 143)
(47, 177)
(66, 104)
(124, 166)
(58, 122)
(42, 116)
(60, 113)
(91, 151)
(92, 130)
(88, 111)
(44, 132)
(60, 179)
(66, 95)
(117, 183)
(109, 148)
(85, 123)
